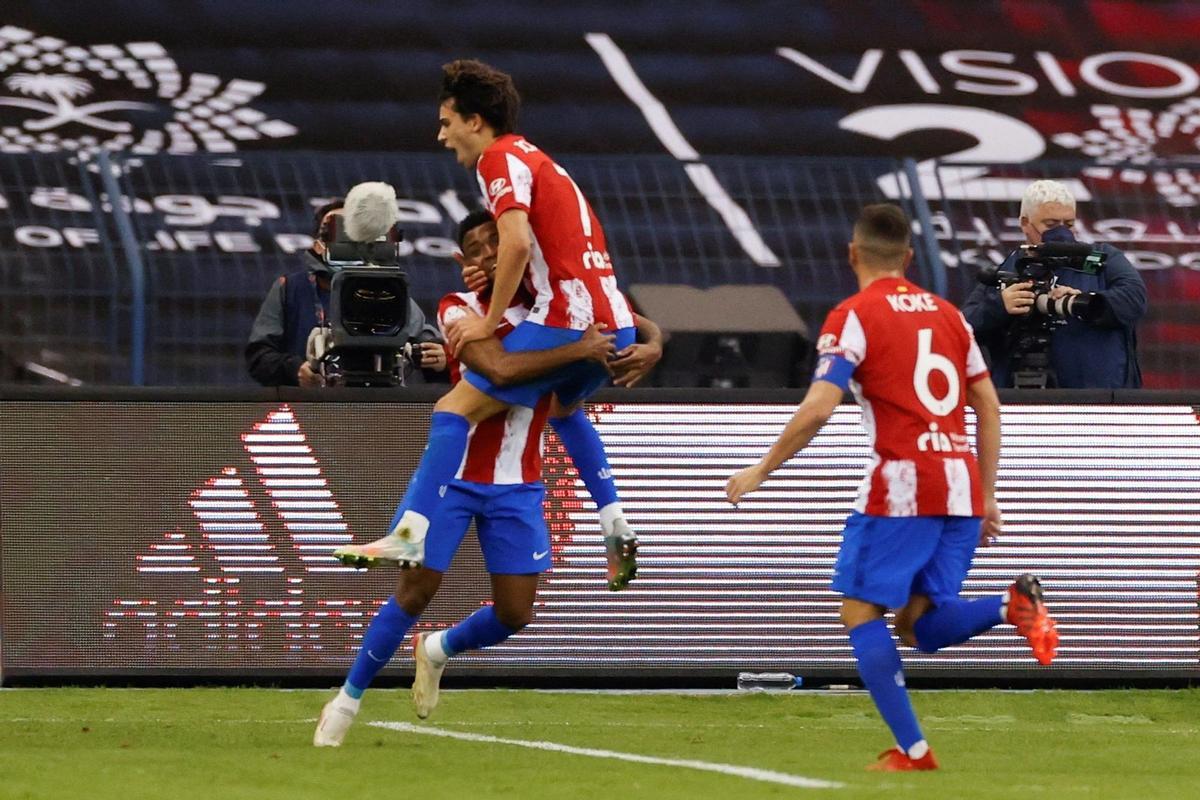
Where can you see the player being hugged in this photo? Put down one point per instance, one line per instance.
(910, 359)
(498, 486)
(546, 226)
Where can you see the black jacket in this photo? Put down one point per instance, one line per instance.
(1100, 354)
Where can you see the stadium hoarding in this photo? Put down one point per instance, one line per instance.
(154, 534)
(732, 78)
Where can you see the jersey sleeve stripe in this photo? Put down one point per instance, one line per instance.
(522, 180)
(853, 339)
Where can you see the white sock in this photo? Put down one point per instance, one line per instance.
(346, 700)
(417, 525)
(435, 649)
(609, 515)
(918, 750)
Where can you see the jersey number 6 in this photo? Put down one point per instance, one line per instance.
(929, 362)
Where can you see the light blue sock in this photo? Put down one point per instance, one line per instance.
(883, 674)
(587, 451)
(955, 621)
(481, 629)
(383, 636)
(443, 455)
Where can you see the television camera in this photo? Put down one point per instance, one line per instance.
(363, 341)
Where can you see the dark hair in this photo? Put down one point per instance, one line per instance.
(472, 221)
(883, 229)
(319, 215)
(477, 88)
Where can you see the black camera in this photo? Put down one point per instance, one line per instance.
(363, 342)
(1028, 337)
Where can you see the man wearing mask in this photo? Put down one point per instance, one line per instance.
(1100, 353)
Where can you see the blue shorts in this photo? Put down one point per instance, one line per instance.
(884, 560)
(571, 383)
(508, 518)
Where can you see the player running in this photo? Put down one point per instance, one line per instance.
(911, 360)
(543, 221)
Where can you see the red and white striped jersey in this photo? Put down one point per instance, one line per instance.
(914, 355)
(507, 447)
(570, 269)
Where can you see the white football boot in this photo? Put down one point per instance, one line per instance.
(403, 547)
(336, 718)
(426, 680)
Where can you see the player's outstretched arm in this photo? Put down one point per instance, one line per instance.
(489, 358)
(822, 398)
(981, 396)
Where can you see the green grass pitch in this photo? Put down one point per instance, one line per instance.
(228, 744)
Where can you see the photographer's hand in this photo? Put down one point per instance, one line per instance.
(1059, 292)
(308, 377)
(433, 356)
(1018, 298)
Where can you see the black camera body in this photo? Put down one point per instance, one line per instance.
(1028, 336)
(363, 342)
(368, 316)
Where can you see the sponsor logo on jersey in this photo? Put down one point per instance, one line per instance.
(453, 313)
(498, 188)
(939, 442)
(827, 341)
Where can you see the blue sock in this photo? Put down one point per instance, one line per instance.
(587, 451)
(404, 505)
(442, 457)
(481, 629)
(383, 636)
(883, 674)
(955, 621)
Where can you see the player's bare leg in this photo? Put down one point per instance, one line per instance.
(511, 610)
(469, 402)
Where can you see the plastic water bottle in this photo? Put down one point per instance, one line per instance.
(767, 681)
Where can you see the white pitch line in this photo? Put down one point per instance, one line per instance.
(750, 773)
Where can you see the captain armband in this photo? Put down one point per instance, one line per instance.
(837, 369)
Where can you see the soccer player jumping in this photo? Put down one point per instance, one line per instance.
(912, 362)
(544, 222)
(499, 487)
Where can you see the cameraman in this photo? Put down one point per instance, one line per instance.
(1097, 354)
(299, 302)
